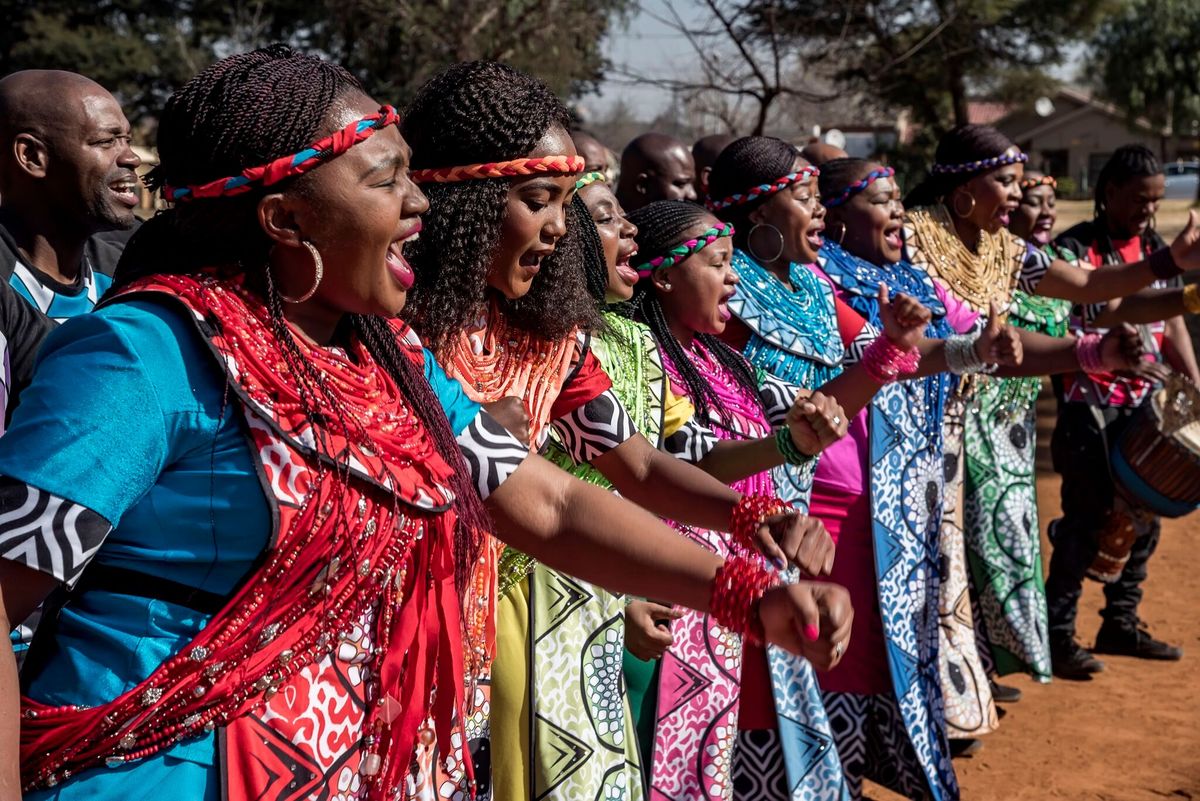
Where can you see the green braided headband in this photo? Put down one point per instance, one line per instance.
(587, 179)
(685, 249)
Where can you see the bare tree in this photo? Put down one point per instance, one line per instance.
(744, 64)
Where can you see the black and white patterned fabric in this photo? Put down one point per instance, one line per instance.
(759, 773)
(777, 397)
(854, 351)
(692, 442)
(48, 533)
(492, 453)
(873, 744)
(1033, 269)
(594, 428)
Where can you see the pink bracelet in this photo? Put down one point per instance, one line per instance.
(1087, 351)
(885, 361)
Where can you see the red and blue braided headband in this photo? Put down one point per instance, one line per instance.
(858, 186)
(275, 171)
(764, 190)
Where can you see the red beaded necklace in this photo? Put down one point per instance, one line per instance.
(364, 544)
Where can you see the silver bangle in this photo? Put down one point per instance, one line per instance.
(961, 357)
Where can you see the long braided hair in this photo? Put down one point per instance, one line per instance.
(747, 162)
(957, 146)
(661, 226)
(477, 112)
(240, 112)
(591, 249)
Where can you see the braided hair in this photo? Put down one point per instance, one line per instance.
(661, 226)
(747, 162)
(837, 174)
(477, 112)
(243, 111)
(1126, 162)
(595, 268)
(957, 146)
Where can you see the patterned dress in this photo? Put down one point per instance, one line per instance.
(699, 751)
(1003, 534)
(554, 722)
(897, 737)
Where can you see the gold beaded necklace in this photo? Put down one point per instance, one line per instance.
(975, 278)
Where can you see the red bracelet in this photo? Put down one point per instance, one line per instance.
(1087, 351)
(737, 588)
(750, 513)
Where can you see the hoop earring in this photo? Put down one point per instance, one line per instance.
(320, 273)
(750, 239)
(954, 206)
(842, 238)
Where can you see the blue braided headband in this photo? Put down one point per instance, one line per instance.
(858, 186)
(1010, 156)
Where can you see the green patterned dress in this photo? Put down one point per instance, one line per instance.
(1002, 531)
(573, 737)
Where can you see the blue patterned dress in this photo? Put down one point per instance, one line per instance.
(904, 461)
(794, 337)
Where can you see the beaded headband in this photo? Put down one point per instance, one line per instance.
(764, 190)
(1010, 156)
(858, 186)
(560, 165)
(589, 178)
(684, 249)
(299, 163)
(1045, 180)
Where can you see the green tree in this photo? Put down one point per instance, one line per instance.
(1147, 59)
(144, 49)
(931, 55)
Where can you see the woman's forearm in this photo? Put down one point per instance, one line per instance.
(1081, 285)
(591, 533)
(853, 389)
(1146, 306)
(10, 722)
(666, 486)
(1043, 355)
(733, 460)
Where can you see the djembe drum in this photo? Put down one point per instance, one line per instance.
(1156, 469)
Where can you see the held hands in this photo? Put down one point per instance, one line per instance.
(904, 319)
(815, 422)
(797, 539)
(510, 412)
(808, 618)
(648, 628)
(999, 343)
(1186, 247)
(1121, 348)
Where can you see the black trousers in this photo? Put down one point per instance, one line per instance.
(1081, 458)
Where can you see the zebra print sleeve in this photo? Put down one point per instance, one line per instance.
(854, 351)
(692, 442)
(595, 428)
(48, 533)
(1033, 270)
(491, 452)
(777, 397)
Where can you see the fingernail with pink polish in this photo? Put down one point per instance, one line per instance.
(812, 632)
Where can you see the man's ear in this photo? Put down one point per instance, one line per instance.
(643, 183)
(31, 154)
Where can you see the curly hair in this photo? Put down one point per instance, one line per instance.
(748, 162)
(661, 226)
(957, 146)
(243, 111)
(478, 112)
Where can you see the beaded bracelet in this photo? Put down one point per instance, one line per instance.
(1087, 351)
(1191, 298)
(737, 588)
(885, 361)
(962, 357)
(1162, 264)
(750, 513)
(787, 448)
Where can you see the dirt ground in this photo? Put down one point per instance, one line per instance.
(1171, 217)
(1132, 734)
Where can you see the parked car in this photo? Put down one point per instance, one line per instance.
(1183, 179)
